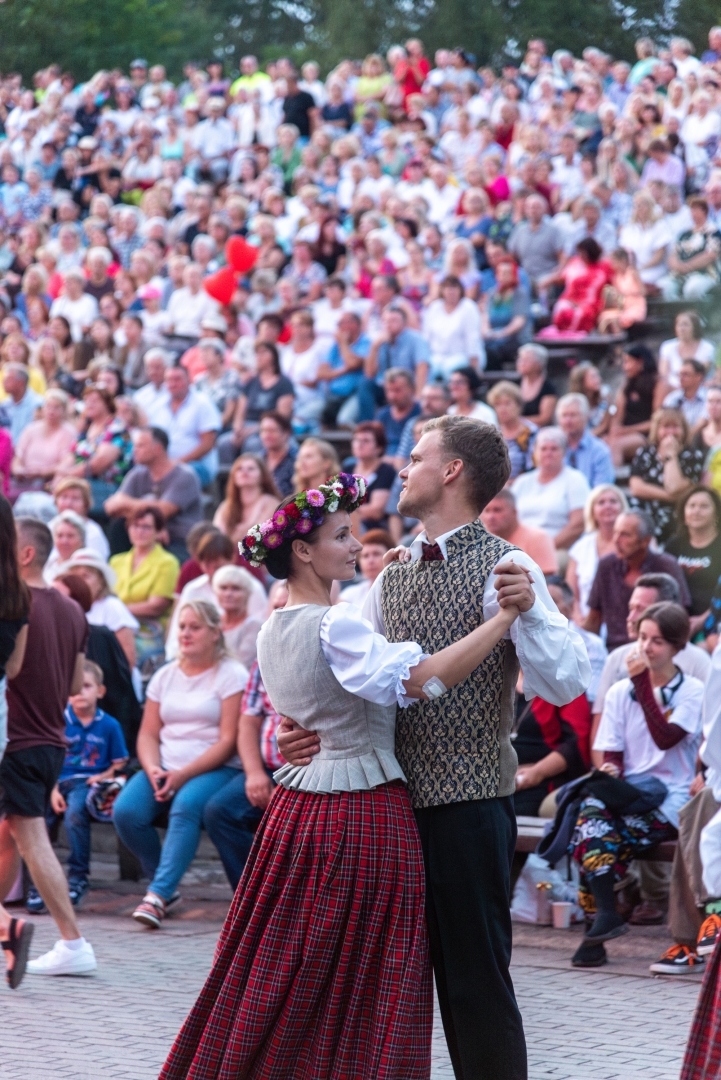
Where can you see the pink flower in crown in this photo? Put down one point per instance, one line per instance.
(315, 497)
(280, 519)
(273, 540)
(352, 491)
(302, 526)
(266, 527)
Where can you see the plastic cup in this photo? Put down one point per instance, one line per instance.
(561, 910)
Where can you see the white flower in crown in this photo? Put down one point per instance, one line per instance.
(332, 506)
(255, 532)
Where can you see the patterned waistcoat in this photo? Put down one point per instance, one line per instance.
(457, 747)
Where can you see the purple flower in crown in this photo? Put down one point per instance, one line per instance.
(303, 526)
(273, 540)
(280, 519)
(266, 527)
(315, 497)
(352, 491)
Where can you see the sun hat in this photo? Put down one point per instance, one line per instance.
(91, 560)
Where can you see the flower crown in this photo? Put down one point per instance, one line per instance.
(307, 511)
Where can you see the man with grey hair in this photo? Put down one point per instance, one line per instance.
(618, 574)
(592, 226)
(75, 305)
(155, 362)
(584, 451)
(19, 408)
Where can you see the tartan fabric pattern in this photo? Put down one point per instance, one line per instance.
(255, 702)
(702, 1060)
(321, 971)
(450, 747)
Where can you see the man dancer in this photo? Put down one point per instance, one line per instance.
(455, 749)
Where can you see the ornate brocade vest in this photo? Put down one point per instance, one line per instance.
(455, 748)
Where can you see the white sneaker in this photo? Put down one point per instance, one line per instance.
(64, 961)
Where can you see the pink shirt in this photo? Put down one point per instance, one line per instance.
(6, 457)
(40, 453)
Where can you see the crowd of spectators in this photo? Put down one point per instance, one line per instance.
(218, 292)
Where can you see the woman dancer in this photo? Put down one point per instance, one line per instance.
(322, 967)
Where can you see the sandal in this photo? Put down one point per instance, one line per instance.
(21, 934)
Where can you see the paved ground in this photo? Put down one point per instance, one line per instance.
(618, 1023)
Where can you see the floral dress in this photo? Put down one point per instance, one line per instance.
(648, 466)
(115, 433)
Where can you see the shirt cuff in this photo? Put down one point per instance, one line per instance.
(405, 673)
(536, 616)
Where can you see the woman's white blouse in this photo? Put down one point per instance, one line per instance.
(454, 334)
(364, 662)
(585, 553)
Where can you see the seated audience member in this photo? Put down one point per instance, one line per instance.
(191, 422)
(695, 545)
(250, 497)
(500, 517)
(214, 550)
(103, 452)
(343, 370)
(689, 344)
(104, 649)
(268, 390)
(690, 397)
(585, 276)
(240, 630)
(664, 470)
(463, 386)
(624, 300)
(107, 609)
(552, 496)
(562, 595)
(186, 739)
(584, 451)
(146, 577)
(642, 742)
(396, 347)
(518, 433)
(147, 397)
(434, 401)
(275, 433)
(43, 444)
(538, 392)
(585, 378)
(69, 535)
(191, 567)
(452, 328)
(376, 542)
(169, 487)
(603, 506)
(618, 573)
(96, 753)
(640, 394)
(537, 243)
(694, 260)
(232, 815)
(368, 447)
(19, 404)
(505, 316)
(708, 438)
(400, 408)
(73, 493)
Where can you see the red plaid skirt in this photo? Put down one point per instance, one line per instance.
(321, 971)
(702, 1060)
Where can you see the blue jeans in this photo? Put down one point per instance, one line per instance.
(230, 821)
(136, 810)
(77, 822)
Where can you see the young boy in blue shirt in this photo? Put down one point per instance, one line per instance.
(96, 751)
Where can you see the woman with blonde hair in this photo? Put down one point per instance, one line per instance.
(372, 86)
(16, 350)
(186, 740)
(664, 470)
(315, 462)
(43, 444)
(250, 496)
(647, 237)
(603, 505)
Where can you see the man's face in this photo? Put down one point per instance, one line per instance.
(626, 539)
(348, 324)
(155, 370)
(500, 517)
(689, 380)
(272, 436)
(144, 448)
(571, 421)
(176, 383)
(394, 323)
(398, 393)
(433, 400)
(534, 210)
(422, 477)
(641, 598)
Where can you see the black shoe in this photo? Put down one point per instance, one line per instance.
(589, 956)
(606, 925)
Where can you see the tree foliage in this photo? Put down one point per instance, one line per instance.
(85, 35)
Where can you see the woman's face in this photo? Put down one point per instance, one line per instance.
(71, 499)
(67, 540)
(507, 410)
(143, 533)
(592, 381)
(700, 512)
(699, 216)
(452, 295)
(15, 351)
(233, 598)
(505, 276)
(370, 560)
(247, 473)
(606, 508)
(713, 404)
(632, 366)
(53, 412)
(58, 330)
(196, 640)
(364, 446)
(95, 408)
(654, 646)
(549, 456)
(92, 578)
(684, 328)
(527, 365)
(333, 554)
(309, 462)
(459, 388)
(669, 427)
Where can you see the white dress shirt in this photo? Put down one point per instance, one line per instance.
(550, 651)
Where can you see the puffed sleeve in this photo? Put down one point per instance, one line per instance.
(364, 662)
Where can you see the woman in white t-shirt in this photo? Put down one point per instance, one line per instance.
(650, 733)
(552, 496)
(186, 741)
(689, 344)
(604, 504)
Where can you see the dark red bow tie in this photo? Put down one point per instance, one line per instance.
(431, 553)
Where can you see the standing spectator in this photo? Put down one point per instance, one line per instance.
(664, 470)
(191, 422)
(519, 434)
(603, 506)
(640, 394)
(250, 497)
(619, 572)
(538, 392)
(501, 518)
(51, 672)
(155, 481)
(553, 495)
(583, 451)
(186, 739)
(299, 107)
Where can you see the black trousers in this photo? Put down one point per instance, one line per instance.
(468, 848)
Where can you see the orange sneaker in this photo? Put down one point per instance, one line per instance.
(708, 935)
(678, 960)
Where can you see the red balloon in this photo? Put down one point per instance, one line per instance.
(241, 255)
(221, 285)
